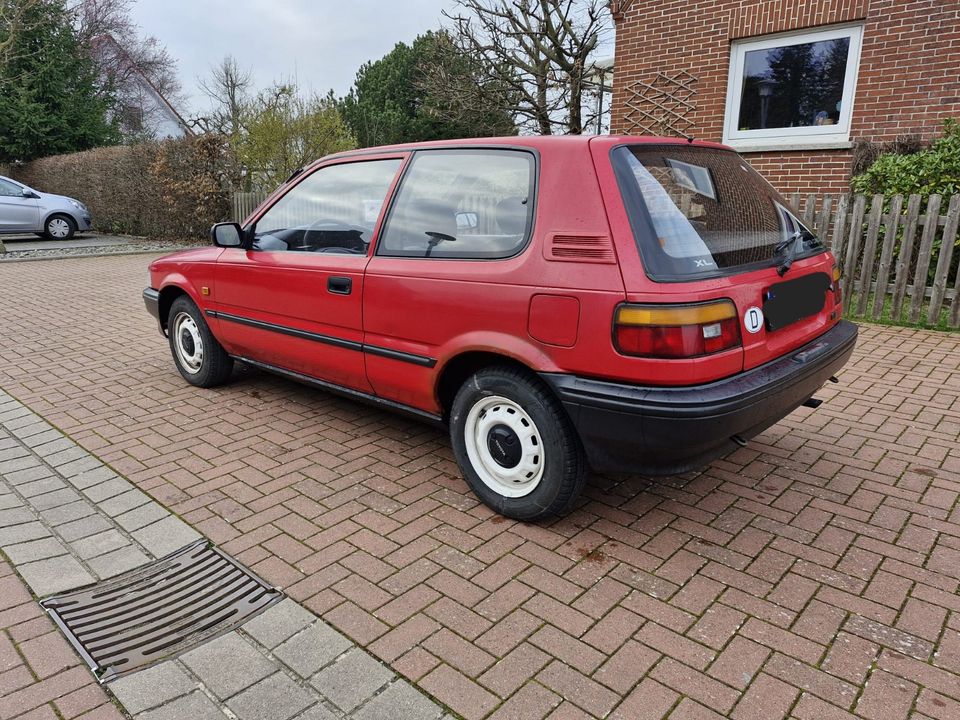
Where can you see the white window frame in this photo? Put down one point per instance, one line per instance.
(822, 136)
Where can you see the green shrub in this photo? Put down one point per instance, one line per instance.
(171, 189)
(935, 170)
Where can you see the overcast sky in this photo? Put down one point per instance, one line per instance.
(321, 43)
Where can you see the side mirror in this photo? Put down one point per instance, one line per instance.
(28, 193)
(226, 235)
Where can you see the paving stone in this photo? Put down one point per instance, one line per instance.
(8, 467)
(319, 712)
(34, 472)
(21, 533)
(107, 489)
(276, 698)
(67, 513)
(228, 665)
(99, 544)
(78, 466)
(166, 535)
(55, 444)
(278, 622)
(400, 700)
(84, 527)
(195, 706)
(43, 437)
(88, 478)
(310, 649)
(54, 499)
(118, 561)
(120, 504)
(12, 452)
(27, 426)
(40, 487)
(141, 517)
(53, 575)
(35, 550)
(65, 457)
(9, 500)
(16, 516)
(153, 686)
(352, 679)
(12, 410)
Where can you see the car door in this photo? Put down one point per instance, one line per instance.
(17, 213)
(449, 264)
(293, 298)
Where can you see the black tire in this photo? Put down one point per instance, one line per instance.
(213, 366)
(59, 221)
(564, 466)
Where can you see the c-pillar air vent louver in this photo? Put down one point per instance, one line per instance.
(568, 247)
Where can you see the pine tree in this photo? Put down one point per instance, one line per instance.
(49, 97)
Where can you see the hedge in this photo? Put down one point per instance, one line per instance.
(170, 189)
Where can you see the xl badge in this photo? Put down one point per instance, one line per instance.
(753, 320)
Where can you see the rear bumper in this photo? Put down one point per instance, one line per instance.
(663, 430)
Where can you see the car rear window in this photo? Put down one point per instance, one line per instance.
(701, 212)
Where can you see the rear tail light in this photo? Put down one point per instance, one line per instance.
(837, 291)
(676, 331)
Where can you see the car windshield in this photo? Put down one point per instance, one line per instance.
(701, 212)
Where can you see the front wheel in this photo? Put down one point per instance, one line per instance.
(515, 445)
(201, 360)
(59, 227)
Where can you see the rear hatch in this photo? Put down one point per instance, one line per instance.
(706, 226)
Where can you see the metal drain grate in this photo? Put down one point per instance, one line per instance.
(159, 610)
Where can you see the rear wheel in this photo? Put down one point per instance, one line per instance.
(515, 444)
(59, 227)
(201, 360)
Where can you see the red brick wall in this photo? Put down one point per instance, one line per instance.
(908, 79)
(807, 171)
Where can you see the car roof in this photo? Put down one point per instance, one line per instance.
(548, 143)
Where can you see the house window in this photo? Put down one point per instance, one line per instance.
(793, 90)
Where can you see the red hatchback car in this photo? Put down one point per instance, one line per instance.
(637, 305)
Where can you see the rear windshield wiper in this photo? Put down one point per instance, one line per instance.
(788, 249)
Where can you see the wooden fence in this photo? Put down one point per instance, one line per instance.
(898, 255)
(244, 203)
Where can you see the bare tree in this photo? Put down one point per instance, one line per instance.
(126, 58)
(534, 56)
(13, 14)
(228, 89)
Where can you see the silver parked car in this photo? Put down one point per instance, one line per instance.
(25, 210)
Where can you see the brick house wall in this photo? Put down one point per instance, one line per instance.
(908, 80)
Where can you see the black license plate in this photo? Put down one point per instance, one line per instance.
(787, 302)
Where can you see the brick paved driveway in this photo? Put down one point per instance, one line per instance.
(813, 575)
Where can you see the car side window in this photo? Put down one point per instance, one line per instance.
(467, 204)
(333, 210)
(9, 188)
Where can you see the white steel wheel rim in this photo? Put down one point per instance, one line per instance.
(498, 416)
(58, 227)
(188, 343)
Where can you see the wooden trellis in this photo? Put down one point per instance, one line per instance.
(662, 106)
